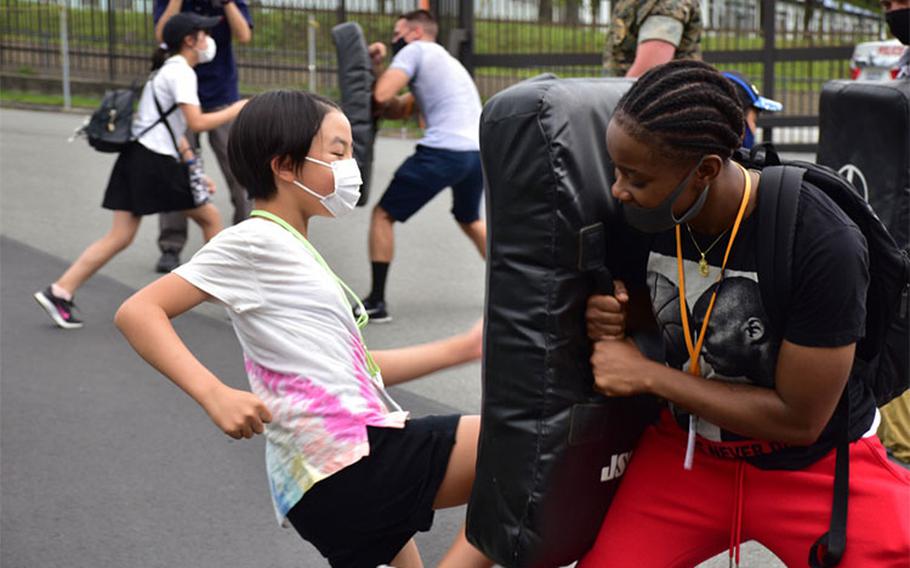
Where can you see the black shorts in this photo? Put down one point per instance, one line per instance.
(145, 182)
(427, 172)
(363, 515)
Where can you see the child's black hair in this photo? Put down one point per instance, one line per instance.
(688, 106)
(161, 55)
(276, 123)
(163, 52)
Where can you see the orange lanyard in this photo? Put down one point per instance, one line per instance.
(695, 350)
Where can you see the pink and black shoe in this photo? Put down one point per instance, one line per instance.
(60, 310)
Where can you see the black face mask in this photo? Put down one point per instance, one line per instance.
(661, 218)
(398, 45)
(899, 23)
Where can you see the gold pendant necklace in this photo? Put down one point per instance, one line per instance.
(703, 267)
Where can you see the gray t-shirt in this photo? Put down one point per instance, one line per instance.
(445, 93)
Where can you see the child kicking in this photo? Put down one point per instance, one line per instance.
(347, 467)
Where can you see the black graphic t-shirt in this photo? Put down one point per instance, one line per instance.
(827, 309)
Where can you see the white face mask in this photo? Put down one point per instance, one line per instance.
(208, 54)
(347, 186)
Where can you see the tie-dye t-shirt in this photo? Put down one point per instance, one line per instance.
(304, 355)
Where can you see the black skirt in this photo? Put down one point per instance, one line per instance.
(145, 182)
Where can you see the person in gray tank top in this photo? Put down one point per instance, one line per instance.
(447, 156)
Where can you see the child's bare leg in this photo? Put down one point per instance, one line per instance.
(408, 557)
(208, 218)
(462, 554)
(456, 489)
(456, 485)
(123, 229)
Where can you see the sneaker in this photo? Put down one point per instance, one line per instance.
(376, 310)
(60, 310)
(169, 261)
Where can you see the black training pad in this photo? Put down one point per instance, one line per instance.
(866, 124)
(546, 436)
(355, 78)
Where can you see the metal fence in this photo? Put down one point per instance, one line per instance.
(787, 51)
(112, 41)
(784, 48)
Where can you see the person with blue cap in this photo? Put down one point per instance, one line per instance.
(752, 102)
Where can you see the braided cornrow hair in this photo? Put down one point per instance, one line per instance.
(688, 106)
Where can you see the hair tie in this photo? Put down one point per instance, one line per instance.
(163, 46)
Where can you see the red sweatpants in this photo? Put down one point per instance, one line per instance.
(665, 516)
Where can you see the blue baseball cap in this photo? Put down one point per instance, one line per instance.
(752, 97)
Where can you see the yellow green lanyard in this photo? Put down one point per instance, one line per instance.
(346, 292)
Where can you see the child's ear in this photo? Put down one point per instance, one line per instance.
(283, 168)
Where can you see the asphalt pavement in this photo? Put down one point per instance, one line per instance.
(103, 462)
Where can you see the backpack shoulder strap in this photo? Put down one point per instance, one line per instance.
(827, 551)
(778, 205)
(778, 202)
(162, 115)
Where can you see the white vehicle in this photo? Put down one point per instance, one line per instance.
(876, 60)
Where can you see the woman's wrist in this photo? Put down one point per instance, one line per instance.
(654, 375)
(667, 382)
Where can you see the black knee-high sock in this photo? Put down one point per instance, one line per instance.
(380, 271)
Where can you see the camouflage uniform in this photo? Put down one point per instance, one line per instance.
(626, 25)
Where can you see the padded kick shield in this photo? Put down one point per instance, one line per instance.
(355, 79)
(864, 134)
(552, 451)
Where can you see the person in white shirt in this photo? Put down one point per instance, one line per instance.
(347, 467)
(152, 174)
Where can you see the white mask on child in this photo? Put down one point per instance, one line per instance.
(208, 54)
(347, 186)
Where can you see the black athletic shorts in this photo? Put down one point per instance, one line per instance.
(363, 515)
(145, 182)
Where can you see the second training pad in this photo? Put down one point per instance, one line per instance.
(864, 134)
(355, 79)
(552, 451)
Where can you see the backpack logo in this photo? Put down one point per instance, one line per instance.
(617, 467)
(853, 174)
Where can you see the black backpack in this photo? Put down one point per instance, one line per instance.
(109, 129)
(883, 355)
